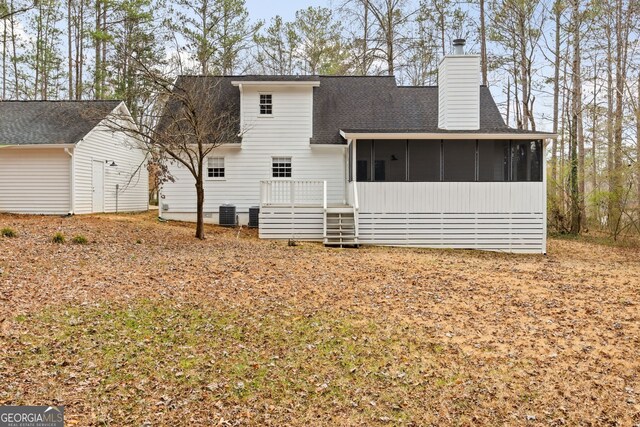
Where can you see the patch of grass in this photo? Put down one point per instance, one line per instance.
(79, 240)
(316, 362)
(8, 232)
(58, 238)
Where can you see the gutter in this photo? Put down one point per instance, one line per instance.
(449, 135)
(36, 146)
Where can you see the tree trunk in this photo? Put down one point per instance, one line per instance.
(638, 150)
(98, 53)
(508, 99)
(610, 171)
(594, 138)
(4, 60)
(574, 137)
(365, 40)
(14, 57)
(524, 72)
(556, 101)
(70, 49)
(79, 61)
(621, 65)
(200, 207)
(483, 44)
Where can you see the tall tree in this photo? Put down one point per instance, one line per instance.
(576, 155)
(517, 26)
(558, 7)
(321, 48)
(276, 48)
(233, 35)
(391, 18)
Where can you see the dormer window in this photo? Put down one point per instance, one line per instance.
(266, 104)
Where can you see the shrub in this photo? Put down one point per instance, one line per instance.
(8, 232)
(80, 239)
(58, 238)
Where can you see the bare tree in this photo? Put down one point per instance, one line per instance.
(192, 117)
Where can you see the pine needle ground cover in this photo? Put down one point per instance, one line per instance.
(144, 325)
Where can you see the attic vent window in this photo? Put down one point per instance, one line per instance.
(266, 104)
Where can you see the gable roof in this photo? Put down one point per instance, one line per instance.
(378, 105)
(50, 122)
(363, 104)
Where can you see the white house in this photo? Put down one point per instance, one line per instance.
(64, 157)
(360, 160)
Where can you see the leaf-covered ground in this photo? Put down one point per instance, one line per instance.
(144, 325)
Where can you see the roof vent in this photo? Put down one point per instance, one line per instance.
(458, 46)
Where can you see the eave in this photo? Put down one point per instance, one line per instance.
(312, 83)
(34, 146)
(444, 135)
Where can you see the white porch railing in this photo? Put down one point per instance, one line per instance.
(294, 193)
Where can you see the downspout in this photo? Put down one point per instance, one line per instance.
(241, 110)
(72, 195)
(347, 167)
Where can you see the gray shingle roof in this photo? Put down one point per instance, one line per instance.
(371, 104)
(50, 122)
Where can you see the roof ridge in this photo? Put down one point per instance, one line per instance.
(281, 76)
(418, 86)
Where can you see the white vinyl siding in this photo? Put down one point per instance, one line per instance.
(35, 181)
(459, 93)
(285, 134)
(130, 172)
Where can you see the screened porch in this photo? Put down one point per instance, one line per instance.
(441, 160)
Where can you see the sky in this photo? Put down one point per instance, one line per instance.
(267, 9)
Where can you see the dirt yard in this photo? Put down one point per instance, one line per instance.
(143, 325)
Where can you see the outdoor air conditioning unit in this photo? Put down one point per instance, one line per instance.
(227, 215)
(254, 216)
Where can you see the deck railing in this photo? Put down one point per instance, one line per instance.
(293, 193)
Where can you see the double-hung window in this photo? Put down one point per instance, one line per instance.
(215, 167)
(281, 167)
(266, 104)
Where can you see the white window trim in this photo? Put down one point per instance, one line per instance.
(265, 116)
(215, 178)
(282, 178)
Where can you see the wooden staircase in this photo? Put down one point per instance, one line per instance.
(340, 227)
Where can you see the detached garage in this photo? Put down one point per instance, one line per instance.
(60, 157)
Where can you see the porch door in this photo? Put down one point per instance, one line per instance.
(97, 186)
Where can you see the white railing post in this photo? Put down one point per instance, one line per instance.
(356, 208)
(324, 209)
(262, 184)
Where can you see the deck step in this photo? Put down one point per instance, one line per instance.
(341, 227)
